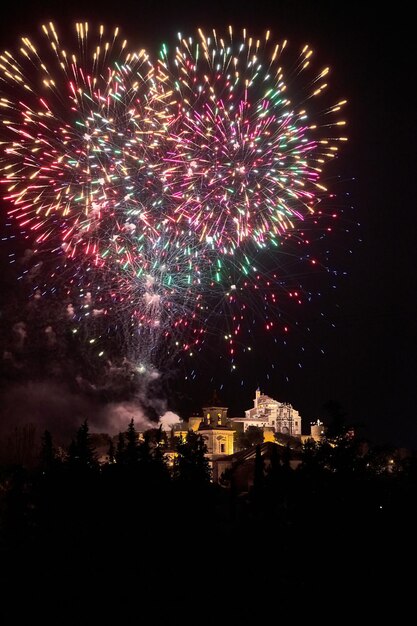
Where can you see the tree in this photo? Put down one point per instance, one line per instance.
(336, 418)
(81, 451)
(286, 457)
(111, 453)
(252, 436)
(152, 462)
(288, 440)
(275, 466)
(159, 444)
(145, 451)
(191, 464)
(132, 448)
(48, 455)
(121, 449)
(156, 437)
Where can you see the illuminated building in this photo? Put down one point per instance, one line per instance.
(214, 426)
(216, 432)
(268, 413)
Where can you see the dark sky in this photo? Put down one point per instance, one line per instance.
(370, 362)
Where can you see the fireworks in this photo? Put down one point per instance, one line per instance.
(82, 142)
(155, 185)
(246, 160)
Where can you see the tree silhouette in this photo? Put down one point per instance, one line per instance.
(191, 464)
(81, 451)
(132, 447)
(121, 449)
(111, 452)
(252, 436)
(158, 442)
(47, 455)
(336, 418)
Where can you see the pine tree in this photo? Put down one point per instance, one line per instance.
(145, 453)
(111, 453)
(85, 448)
(81, 451)
(121, 449)
(191, 464)
(160, 470)
(48, 456)
(132, 448)
(72, 453)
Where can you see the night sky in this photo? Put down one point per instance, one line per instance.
(369, 363)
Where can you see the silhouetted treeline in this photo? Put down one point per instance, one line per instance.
(151, 511)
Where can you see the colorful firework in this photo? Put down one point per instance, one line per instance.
(159, 185)
(247, 159)
(82, 141)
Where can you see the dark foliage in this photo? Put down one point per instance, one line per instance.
(253, 436)
(135, 519)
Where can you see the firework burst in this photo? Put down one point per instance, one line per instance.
(247, 159)
(158, 186)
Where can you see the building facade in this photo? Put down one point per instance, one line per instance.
(268, 413)
(214, 426)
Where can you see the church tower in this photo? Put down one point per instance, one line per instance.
(215, 415)
(216, 433)
(257, 396)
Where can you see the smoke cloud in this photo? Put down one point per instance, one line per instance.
(168, 420)
(53, 406)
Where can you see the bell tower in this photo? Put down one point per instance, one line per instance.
(216, 432)
(215, 416)
(257, 396)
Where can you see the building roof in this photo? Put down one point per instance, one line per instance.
(266, 450)
(250, 419)
(264, 398)
(180, 426)
(214, 406)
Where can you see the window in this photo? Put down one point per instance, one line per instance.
(222, 448)
(296, 423)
